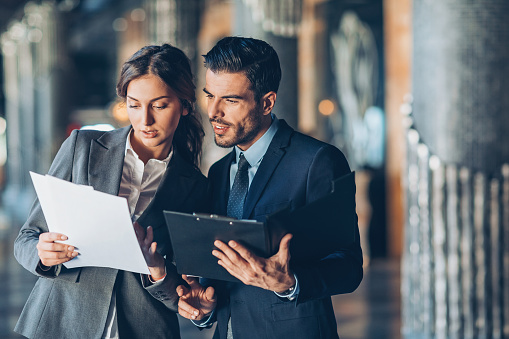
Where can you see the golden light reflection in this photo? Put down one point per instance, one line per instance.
(326, 107)
(119, 112)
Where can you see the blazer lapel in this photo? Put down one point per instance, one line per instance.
(224, 185)
(107, 160)
(174, 189)
(268, 165)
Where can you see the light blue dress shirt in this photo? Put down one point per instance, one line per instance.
(254, 156)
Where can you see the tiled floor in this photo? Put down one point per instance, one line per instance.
(373, 311)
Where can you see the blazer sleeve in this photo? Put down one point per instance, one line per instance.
(25, 250)
(165, 291)
(341, 271)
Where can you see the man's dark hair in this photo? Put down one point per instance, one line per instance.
(255, 58)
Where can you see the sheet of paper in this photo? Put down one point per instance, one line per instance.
(96, 223)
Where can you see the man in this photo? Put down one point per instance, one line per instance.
(277, 298)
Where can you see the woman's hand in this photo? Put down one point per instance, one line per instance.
(196, 302)
(53, 253)
(155, 261)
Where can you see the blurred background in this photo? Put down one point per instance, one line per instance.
(413, 92)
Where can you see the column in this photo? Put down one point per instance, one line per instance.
(456, 253)
(30, 52)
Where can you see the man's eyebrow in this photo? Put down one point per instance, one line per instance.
(230, 96)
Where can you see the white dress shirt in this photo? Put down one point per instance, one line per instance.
(139, 185)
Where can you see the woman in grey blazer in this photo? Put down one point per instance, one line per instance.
(153, 164)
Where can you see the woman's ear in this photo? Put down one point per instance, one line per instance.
(185, 108)
(268, 102)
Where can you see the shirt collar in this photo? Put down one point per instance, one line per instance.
(255, 153)
(129, 150)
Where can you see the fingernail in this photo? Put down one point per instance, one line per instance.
(74, 254)
(233, 244)
(63, 237)
(70, 248)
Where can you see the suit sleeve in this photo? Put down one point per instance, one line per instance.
(25, 250)
(165, 291)
(341, 271)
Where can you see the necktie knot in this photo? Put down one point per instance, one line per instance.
(243, 163)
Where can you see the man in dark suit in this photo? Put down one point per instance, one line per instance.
(271, 167)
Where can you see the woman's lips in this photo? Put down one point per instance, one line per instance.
(149, 134)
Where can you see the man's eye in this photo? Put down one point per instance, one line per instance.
(209, 96)
(231, 101)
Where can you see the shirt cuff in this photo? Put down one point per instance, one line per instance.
(158, 281)
(51, 271)
(294, 293)
(205, 322)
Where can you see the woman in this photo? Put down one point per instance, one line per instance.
(153, 164)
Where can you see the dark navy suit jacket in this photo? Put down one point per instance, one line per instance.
(295, 171)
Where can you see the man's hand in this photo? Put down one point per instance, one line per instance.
(53, 253)
(271, 274)
(155, 261)
(195, 302)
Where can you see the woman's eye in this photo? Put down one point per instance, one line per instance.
(132, 106)
(160, 107)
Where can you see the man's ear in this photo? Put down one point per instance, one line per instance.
(268, 102)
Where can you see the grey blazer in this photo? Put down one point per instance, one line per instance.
(73, 303)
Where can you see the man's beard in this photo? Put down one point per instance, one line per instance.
(243, 134)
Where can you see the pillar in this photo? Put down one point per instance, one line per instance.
(456, 253)
(30, 53)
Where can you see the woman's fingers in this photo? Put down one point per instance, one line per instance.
(53, 253)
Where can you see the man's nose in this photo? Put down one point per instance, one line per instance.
(214, 109)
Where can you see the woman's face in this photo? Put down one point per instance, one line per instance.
(154, 112)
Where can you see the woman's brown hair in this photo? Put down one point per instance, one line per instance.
(172, 66)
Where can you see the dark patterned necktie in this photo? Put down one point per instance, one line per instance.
(235, 207)
(239, 189)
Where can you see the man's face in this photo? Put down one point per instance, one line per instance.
(237, 119)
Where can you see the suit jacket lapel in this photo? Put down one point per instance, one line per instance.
(224, 184)
(107, 160)
(268, 165)
(176, 185)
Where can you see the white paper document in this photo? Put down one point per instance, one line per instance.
(96, 223)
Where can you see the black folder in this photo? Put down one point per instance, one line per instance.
(320, 228)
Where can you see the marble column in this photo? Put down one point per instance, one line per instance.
(456, 253)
